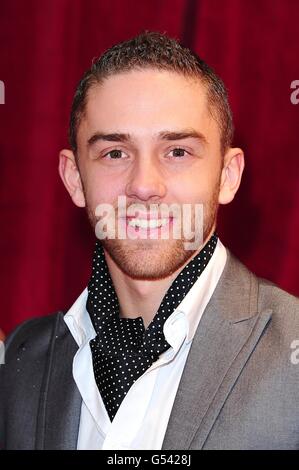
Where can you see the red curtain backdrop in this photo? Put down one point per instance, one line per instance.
(45, 46)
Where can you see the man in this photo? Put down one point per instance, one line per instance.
(174, 344)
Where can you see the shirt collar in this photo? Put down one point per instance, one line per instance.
(196, 300)
(78, 320)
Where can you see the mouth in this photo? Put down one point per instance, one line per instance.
(147, 223)
(147, 227)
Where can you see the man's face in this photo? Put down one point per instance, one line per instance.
(146, 158)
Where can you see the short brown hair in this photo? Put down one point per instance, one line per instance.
(157, 51)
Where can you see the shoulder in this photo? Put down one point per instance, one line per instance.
(32, 334)
(284, 307)
(264, 293)
(28, 350)
(270, 292)
(267, 289)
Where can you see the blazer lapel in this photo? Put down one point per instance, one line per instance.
(226, 336)
(60, 405)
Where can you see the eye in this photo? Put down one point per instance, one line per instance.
(178, 152)
(114, 154)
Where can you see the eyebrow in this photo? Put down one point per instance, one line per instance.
(163, 135)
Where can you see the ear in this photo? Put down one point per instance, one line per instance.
(231, 175)
(70, 176)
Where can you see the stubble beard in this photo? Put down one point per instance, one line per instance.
(156, 259)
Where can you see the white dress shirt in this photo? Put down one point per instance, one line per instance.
(142, 418)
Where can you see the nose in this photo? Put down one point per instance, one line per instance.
(146, 181)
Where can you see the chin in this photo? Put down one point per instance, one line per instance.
(147, 260)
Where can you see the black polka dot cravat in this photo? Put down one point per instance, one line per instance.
(123, 349)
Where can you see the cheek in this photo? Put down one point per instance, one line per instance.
(198, 187)
(191, 188)
(99, 189)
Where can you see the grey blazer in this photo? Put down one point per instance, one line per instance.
(239, 388)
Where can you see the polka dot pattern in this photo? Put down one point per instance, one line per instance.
(123, 349)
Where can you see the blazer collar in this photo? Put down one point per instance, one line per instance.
(60, 403)
(226, 336)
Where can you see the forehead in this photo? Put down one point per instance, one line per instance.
(144, 102)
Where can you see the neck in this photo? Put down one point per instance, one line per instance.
(138, 298)
(141, 298)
